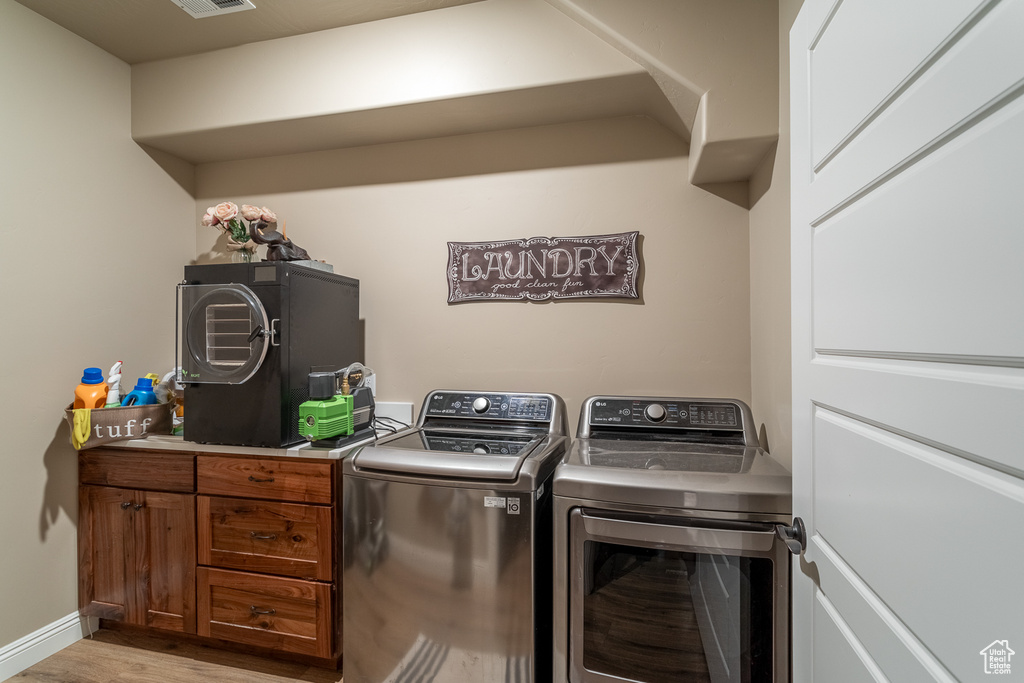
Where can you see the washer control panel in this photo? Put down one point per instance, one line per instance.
(490, 406)
(666, 413)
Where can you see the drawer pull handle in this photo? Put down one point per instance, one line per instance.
(261, 481)
(256, 610)
(262, 537)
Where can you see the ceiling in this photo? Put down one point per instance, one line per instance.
(145, 30)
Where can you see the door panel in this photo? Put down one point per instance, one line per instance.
(167, 529)
(103, 551)
(930, 402)
(911, 519)
(846, 661)
(942, 284)
(927, 113)
(872, 631)
(899, 44)
(908, 321)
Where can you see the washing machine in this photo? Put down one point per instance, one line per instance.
(672, 546)
(447, 543)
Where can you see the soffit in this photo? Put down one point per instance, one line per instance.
(138, 31)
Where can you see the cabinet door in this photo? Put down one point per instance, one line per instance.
(165, 532)
(137, 557)
(105, 545)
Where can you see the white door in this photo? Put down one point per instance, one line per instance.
(908, 335)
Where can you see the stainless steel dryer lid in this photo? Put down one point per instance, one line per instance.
(694, 454)
(741, 479)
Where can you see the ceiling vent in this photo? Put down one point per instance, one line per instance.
(200, 9)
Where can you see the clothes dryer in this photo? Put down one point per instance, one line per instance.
(671, 546)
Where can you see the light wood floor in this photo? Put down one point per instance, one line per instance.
(117, 657)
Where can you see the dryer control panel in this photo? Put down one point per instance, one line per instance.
(490, 406)
(666, 412)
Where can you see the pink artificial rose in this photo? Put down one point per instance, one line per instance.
(209, 219)
(225, 211)
(250, 212)
(268, 215)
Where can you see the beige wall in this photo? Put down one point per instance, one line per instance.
(770, 380)
(95, 234)
(384, 215)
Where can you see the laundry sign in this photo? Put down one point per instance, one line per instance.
(541, 268)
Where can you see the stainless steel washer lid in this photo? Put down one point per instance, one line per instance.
(451, 454)
(473, 436)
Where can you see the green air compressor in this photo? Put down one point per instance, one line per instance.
(335, 416)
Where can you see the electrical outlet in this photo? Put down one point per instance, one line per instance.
(371, 382)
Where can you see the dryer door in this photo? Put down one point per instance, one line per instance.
(223, 333)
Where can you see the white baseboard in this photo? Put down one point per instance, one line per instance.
(35, 647)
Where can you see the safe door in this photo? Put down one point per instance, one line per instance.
(223, 333)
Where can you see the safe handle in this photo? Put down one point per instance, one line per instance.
(273, 334)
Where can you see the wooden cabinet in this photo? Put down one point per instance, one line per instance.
(136, 546)
(268, 572)
(237, 548)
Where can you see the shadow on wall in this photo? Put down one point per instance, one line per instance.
(631, 138)
(61, 492)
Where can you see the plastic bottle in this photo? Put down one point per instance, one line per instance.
(92, 392)
(114, 382)
(141, 395)
(167, 390)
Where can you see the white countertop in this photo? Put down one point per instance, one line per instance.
(165, 442)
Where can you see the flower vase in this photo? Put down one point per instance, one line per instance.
(242, 256)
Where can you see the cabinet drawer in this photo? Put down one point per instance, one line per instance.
(285, 479)
(264, 536)
(267, 611)
(138, 469)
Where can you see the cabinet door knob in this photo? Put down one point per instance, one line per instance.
(125, 505)
(138, 506)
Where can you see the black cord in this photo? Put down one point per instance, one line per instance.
(377, 424)
(401, 424)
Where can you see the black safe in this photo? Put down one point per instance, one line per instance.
(249, 334)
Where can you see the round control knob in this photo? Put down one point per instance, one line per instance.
(481, 449)
(481, 405)
(655, 412)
